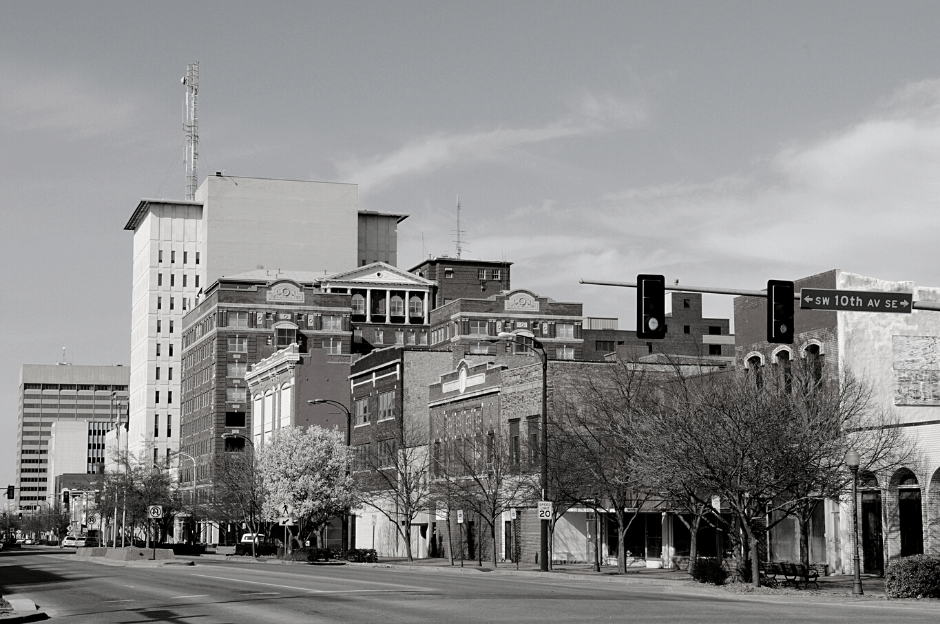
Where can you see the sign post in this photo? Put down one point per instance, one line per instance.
(460, 527)
(155, 512)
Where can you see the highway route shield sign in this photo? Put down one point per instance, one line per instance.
(155, 511)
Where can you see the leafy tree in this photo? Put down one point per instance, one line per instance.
(305, 470)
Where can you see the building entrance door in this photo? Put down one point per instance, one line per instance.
(910, 522)
(872, 551)
(509, 542)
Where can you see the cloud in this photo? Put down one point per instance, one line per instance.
(864, 199)
(60, 103)
(424, 155)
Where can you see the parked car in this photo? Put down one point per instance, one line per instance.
(29, 542)
(70, 541)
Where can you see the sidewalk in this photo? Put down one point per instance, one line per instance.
(836, 585)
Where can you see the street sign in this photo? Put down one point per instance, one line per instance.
(155, 511)
(460, 516)
(287, 521)
(69, 528)
(373, 520)
(545, 509)
(864, 301)
(286, 510)
(92, 520)
(512, 513)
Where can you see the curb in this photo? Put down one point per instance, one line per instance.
(24, 611)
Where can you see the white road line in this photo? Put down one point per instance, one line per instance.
(251, 582)
(119, 600)
(261, 593)
(205, 595)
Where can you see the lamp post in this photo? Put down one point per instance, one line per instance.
(853, 459)
(543, 526)
(344, 409)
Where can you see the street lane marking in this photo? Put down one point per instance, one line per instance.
(252, 582)
(261, 593)
(205, 595)
(120, 600)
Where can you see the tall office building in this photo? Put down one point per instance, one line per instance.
(50, 394)
(234, 225)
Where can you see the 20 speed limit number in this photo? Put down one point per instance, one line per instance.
(545, 509)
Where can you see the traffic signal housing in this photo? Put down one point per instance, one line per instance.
(780, 311)
(9, 492)
(650, 306)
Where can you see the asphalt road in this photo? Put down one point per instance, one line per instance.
(71, 591)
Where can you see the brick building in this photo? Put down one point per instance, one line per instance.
(472, 325)
(463, 278)
(898, 355)
(389, 407)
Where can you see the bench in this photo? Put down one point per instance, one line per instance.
(792, 573)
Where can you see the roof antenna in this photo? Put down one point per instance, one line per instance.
(190, 122)
(459, 240)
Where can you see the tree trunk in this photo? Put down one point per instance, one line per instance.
(450, 543)
(804, 544)
(693, 544)
(407, 534)
(493, 541)
(621, 549)
(755, 559)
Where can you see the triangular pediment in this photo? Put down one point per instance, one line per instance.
(377, 273)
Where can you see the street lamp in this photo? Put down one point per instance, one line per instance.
(345, 410)
(853, 460)
(537, 345)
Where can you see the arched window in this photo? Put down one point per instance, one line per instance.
(753, 370)
(814, 362)
(397, 306)
(784, 371)
(415, 307)
(358, 304)
(910, 520)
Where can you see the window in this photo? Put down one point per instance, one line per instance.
(604, 346)
(564, 331)
(197, 280)
(415, 307)
(358, 304)
(448, 272)
(197, 263)
(159, 280)
(169, 373)
(158, 349)
(423, 337)
(185, 302)
(412, 338)
(497, 275)
(333, 345)
(386, 405)
(169, 397)
(169, 426)
(479, 348)
(357, 335)
(171, 349)
(533, 442)
(236, 394)
(237, 344)
(714, 350)
(687, 330)
(172, 280)
(285, 337)
(158, 325)
(514, 449)
(158, 374)
(235, 419)
(379, 336)
(238, 319)
(171, 303)
(362, 411)
(399, 337)
(156, 425)
(171, 327)
(361, 457)
(156, 397)
(386, 453)
(184, 280)
(397, 306)
(564, 353)
(159, 303)
(159, 256)
(522, 345)
(172, 256)
(185, 254)
(481, 274)
(686, 303)
(332, 322)
(478, 328)
(236, 369)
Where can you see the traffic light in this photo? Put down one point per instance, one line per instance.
(9, 492)
(780, 311)
(650, 306)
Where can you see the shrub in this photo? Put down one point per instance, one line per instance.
(915, 576)
(709, 570)
(362, 555)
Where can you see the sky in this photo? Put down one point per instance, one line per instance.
(718, 143)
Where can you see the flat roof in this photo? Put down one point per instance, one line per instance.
(138, 215)
(449, 259)
(401, 216)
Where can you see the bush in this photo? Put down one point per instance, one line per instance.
(709, 570)
(311, 555)
(915, 576)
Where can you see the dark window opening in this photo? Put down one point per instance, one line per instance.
(235, 419)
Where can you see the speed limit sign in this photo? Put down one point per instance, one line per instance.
(155, 511)
(545, 509)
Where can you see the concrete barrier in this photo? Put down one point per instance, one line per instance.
(127, 553)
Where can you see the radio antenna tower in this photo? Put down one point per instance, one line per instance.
(459, 240)
(190, 127)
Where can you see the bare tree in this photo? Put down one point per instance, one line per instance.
(392, 477)
(238, 490)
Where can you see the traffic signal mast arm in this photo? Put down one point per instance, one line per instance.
(922, 304)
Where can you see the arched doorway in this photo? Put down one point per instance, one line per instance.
(910, 520)
(870, 512)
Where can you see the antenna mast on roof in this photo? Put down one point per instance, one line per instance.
(190, 121)
(459, 240)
